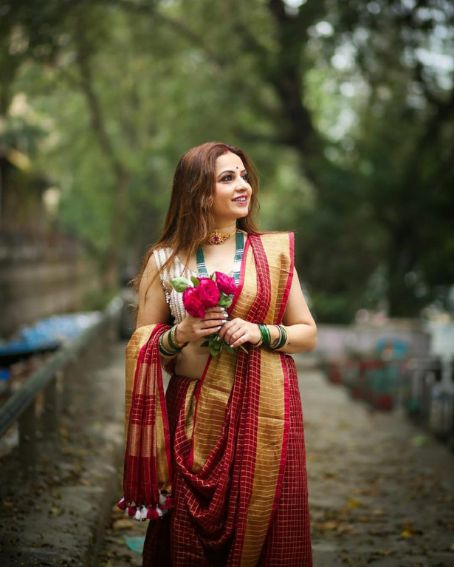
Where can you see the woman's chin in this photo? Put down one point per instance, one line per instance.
(239, 214)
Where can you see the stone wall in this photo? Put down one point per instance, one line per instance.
(40, 276)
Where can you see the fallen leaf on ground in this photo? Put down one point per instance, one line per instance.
(420, 440)
(353, 503)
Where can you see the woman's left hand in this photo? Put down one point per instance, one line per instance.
(237, 332)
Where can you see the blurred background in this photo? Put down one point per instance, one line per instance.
(346, 108)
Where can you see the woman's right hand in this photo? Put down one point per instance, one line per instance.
(194, 329)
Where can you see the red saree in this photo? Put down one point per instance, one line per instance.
(228, 448)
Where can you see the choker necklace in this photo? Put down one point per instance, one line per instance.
(218, 237)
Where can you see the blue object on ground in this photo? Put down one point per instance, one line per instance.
(135, 543)
(5, 374)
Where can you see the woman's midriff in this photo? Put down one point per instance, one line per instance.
(191, 361)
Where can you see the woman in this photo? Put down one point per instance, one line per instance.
(219, 463)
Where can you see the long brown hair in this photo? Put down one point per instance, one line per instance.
(189, 217)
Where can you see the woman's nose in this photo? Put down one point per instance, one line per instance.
(242, 182)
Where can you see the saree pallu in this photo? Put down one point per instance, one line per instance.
(232, 443)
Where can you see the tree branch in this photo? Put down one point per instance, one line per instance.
(286, 78)
(180, 27)
(96, 113)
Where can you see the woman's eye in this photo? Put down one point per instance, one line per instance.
(229, 177)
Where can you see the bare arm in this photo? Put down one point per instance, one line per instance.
(298, 321)
(152, 304)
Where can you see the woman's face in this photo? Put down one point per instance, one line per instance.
(232, 193)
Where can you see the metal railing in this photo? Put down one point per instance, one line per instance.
(21, 406)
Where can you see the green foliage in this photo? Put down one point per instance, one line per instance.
(225, 300)
(342, 106)
(181, 284)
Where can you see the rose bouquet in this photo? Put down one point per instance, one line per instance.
(201, 293)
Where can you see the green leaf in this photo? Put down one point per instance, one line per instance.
(225, 300)
(180, 283)
(195, 281)
(215, 348)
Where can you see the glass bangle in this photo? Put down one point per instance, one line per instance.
(282, 337)
(278, 339)
(284, 331)
(266, 337)
(162, 348)
(171, 339)
(268, 334)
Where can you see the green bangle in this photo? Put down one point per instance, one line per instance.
(282, 339)
(284, 332)
(162, 348)
(278, 339)
(266, 337)
(268, 334)
(171, 340)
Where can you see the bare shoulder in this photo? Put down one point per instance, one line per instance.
(152, 304)
(154, 276)
(150, 272)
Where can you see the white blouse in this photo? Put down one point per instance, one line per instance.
(173, 270)
(177, 269)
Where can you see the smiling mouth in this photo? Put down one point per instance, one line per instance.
(240, 199)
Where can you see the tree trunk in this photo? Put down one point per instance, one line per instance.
(111, 276)
(121, 175)
(401, 275)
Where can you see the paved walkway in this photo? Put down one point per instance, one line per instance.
(381, 490)
(56, 518)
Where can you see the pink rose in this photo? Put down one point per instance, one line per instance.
(225, 283)
(193, 302)
(208, 292)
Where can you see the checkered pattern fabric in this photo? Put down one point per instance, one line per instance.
(147, 461)
(247, 504)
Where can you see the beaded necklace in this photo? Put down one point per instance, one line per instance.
(239, 249)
